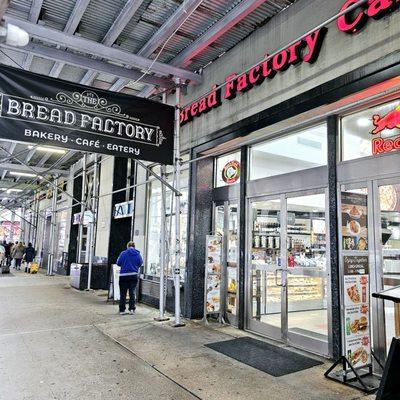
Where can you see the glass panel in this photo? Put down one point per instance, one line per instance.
(265, 259)
(357, 129)
(307, 279)
(153, 230)
(154, 224)
(228, 170)
(294, 152)
(232, 260)
(389, 199)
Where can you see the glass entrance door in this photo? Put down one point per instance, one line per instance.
(376, 234)
(265, 270)
(288, 270)
(387, 242)
(226, 219)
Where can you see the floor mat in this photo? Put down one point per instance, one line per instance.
(265, 357)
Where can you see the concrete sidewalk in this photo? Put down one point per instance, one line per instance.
(58, 343)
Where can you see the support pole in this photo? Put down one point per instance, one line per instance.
(94, 220)
(161, 316)
(177, 269)
(83, 208)
(50, 266)
(12, 226)
(23, 225)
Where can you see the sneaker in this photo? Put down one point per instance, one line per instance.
(132, 312)
(123, 313)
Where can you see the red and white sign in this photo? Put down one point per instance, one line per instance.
(231, 172)
(390, 121)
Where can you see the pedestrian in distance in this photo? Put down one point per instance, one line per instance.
(2, 256)
(7, 247)
(29, 255)
(17, 254)
(130, 262)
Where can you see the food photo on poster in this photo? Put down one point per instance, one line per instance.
(213, 273)
(354, 221)
(357, 310)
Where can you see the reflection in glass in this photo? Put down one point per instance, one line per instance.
(357, 128)
(294, 152)
(232, 260)
(389, 197)
(307, 279)
(265, 260)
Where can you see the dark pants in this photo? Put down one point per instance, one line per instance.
(18, 263)
(127, 283)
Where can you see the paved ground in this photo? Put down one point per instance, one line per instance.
(58, 343)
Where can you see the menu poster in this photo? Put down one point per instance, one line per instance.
(356, 314)
(213, 273)
(354, 221)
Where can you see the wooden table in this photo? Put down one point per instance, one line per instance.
(392, 294)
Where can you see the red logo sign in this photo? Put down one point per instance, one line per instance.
(388, 122)
(231, 172)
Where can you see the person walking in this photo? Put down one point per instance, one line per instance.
(17, 254)
(7, 247)
(130, 262)
(29, 255)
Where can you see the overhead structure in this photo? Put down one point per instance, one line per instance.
(133, 46)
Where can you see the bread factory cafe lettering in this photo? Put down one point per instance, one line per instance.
(34, 111)
(303, 51)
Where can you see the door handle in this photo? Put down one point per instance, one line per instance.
(276, 277)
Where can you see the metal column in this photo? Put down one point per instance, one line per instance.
(95, 198)
(22, 225)
(177, 269)
(83, 207)
(52, 241)
(163, 263)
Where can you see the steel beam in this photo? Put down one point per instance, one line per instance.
(80, 61)
(116, 29)
(21, 185)
(39, 170)
(33, 16)
(70, 28)
(162, 35)
(100, 50)
(237, 14)
(11, 149)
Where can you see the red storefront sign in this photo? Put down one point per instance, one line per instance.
(389, 121)
(231, 172)
(354, 21)
(303, 51)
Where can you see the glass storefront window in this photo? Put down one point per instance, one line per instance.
(360, 129)
(152, 261)
(228, 169)
(294, 152)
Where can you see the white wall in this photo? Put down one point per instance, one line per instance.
(105, 207)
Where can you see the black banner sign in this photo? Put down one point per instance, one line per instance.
(53, 112)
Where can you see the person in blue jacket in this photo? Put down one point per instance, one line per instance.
(130, 262)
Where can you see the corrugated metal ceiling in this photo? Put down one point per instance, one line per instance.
(99, 17)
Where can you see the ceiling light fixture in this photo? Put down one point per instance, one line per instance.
(48, 149)
(11, 190)
(27, 174)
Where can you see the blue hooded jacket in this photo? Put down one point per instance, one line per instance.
(130, 262)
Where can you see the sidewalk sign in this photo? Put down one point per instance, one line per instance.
(212, 291)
